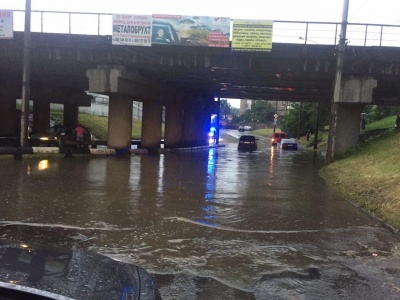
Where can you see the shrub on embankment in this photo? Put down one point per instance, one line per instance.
(369, 175)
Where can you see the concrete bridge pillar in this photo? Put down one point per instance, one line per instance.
(9, 118)
(151, 125)
(189, 125)
(203, 125)
(70, 115)
(344, 127)
(119, 122)
(196, 123)
(173, 126)
(41, 115)
(348, 126)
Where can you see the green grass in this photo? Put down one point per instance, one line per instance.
(265, 131)
(368, 174)
(99, 126)
(388, 122)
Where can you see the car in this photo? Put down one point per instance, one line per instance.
(248, 128)
(60, 136)
(277, 137)
(241, 128)
(247, 142)
(288, 144)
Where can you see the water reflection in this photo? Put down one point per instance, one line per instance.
(43, 165)
(208, 208)
(228, 215)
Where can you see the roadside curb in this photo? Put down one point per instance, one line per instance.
(188, 149)
(96, 151)
(373, 216)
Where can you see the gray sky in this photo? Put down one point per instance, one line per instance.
(360, 11)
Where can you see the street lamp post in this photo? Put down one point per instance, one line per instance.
(26, 77)
(338, 81)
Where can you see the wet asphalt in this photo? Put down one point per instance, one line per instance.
(207, 224)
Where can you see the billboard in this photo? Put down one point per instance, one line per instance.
(133, 30)
(252, 35)
(191, 30)
(6, 24)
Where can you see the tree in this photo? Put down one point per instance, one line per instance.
(225, 108)
(376, 113)
(261, 111)
(302, 117)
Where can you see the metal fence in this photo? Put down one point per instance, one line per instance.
(322, 33)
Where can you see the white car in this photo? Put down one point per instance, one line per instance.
(288, 144)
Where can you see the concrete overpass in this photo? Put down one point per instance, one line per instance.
(186, 80)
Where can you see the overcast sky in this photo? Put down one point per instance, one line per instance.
(360, 11)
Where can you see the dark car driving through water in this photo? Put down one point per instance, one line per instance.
(247, 142)
(60, 136)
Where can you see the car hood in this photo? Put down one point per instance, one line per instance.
(43, 135)
(46, 273)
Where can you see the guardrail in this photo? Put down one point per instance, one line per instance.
(300, 32)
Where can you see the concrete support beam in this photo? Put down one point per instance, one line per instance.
(119, 122)
(173, 126)
(357, 90)
(344, 124)
(61, 96)
(116, 79)
(196, 121)
(203, 124)
(70, 115)
(9, 118)
(41, 115)
(189, 126)
(151, 125)
(347, 127)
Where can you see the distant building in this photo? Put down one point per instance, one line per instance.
(280, 106)
(245, 104)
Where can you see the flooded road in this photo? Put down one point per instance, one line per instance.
(208, 224)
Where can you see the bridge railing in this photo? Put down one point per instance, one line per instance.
(322, 33)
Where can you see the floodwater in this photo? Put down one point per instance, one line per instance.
(207, 224)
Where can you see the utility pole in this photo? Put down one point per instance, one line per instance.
(218, 117)
(26, 77)
(299, 120)
(338, 81)
(316, 127)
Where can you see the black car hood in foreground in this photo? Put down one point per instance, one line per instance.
(43, 273)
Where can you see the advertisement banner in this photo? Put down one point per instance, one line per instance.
(133, 30)
(6, 24)
(252, 35)
(191, 30)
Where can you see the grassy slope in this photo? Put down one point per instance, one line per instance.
(369, 174)
(99, 126)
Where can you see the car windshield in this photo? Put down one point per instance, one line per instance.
(51, 130)
(247, 138)
(288, 141)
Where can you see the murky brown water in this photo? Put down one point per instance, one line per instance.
(211, 224)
